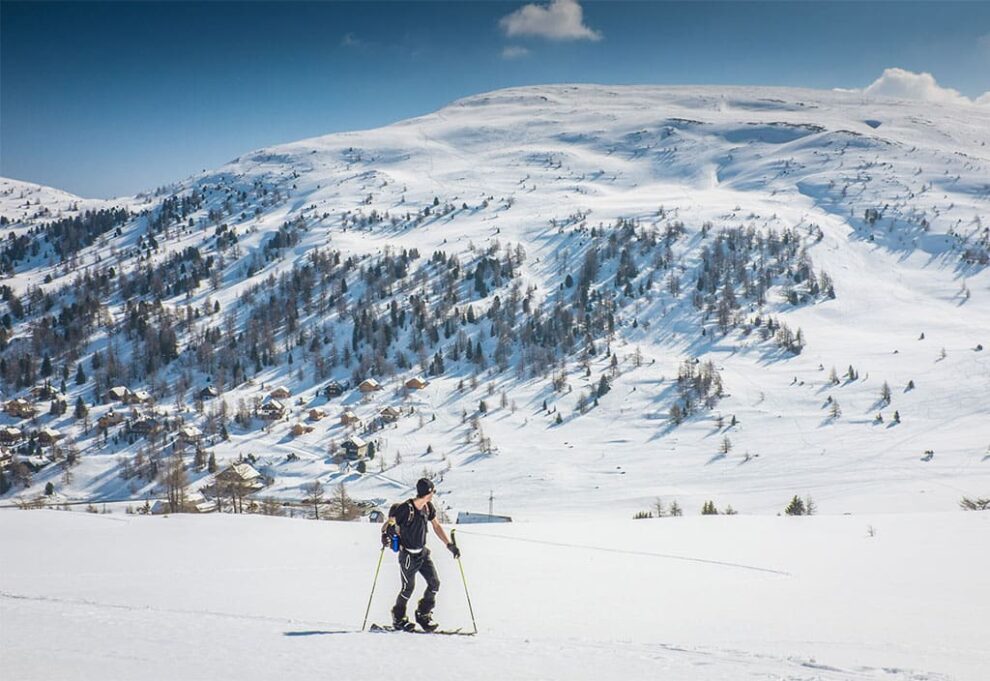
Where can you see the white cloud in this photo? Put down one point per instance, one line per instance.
(514, 52)
(558, 20)
(920, 86)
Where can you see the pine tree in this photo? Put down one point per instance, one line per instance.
(708, 508)
(80, 374)
(726, 445)
(885, 393)
(835, 411)
(675, 509)
(81, 409)
(796, 507)
(46, 366)
(603, 386)
(211, 465)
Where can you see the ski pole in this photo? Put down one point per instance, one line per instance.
(381, 554)
(453, 540)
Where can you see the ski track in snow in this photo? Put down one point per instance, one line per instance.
(249, 597)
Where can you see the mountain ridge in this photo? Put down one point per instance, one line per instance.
(685, 219)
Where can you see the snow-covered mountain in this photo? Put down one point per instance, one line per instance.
(660, 282)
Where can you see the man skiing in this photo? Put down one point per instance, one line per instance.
(408, 520)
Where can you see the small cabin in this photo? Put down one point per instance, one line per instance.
(20, 408)
(280, 393)
(369, 385)
(49, 436)
(119, 394)
(44, 392)
(390, 414)
(145, 425)
(333, 389)
(271, 410)
(348, 418)
(355, 448)
(208, 393)
(416, 383)
(10, 435)
(317, 414)
(242, 475)
(300, 429)
(111, 418)
(141, 397)
(190, 434)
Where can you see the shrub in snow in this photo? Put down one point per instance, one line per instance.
(968, 504)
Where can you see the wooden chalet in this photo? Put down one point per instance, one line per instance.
(111, 418)
(119, 394)
(242, 475)
(10, 435)
(145, 425)
(140, 397)
(333, 389)
(271, 410)
(355, 448)
(20, 408)
(369, 385)
(49, 436)
(300, 429)
(190, 435)
(44, 392)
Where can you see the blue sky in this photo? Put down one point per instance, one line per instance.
(105, 99)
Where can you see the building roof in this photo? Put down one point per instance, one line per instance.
(243, 470)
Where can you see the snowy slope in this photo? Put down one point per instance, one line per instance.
(247, 597)
(540, 167)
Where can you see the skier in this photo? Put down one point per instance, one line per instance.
(408, 520)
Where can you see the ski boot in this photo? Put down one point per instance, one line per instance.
(400, 622)
(425, 620)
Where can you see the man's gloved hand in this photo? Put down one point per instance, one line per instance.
(387, 535)
(454, 550)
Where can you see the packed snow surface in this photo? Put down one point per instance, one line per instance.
(730, 597)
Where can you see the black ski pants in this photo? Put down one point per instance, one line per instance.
(409, 565)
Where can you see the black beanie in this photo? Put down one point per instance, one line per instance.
(424, 487)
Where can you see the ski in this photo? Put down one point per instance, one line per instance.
(380, 629)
